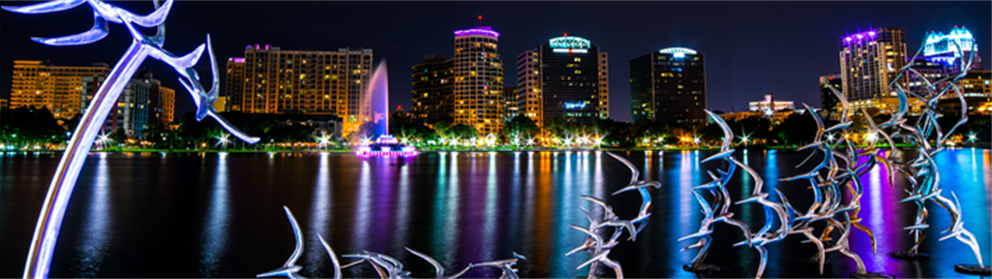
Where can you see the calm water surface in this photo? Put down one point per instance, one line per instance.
(220, 215)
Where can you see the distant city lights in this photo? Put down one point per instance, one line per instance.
(575, 105)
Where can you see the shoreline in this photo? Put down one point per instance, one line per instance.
(984, 145)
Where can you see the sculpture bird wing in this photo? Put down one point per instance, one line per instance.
(437, 266)
(96, 33)
(334, 258)
(45, 7)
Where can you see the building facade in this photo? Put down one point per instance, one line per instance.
(57, 88)
(565, 79)
(478, 80)
(509, 102)
(433, 89)
(769, 105)
(870, 61)
(234, 83)
(142, 102)
(669, 85)
(306, 82)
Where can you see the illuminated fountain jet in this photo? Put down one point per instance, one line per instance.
(374, 115)
(142, 46)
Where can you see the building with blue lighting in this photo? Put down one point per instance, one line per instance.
(870, 61)
(564, 79)
(941, 57)
(669, 85)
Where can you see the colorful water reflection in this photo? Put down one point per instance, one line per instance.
(223, 218)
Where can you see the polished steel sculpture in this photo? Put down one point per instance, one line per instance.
(719, 209)
(506, 266)
(437, 266)
(922, 172)
(142, 46)
(385, 266)
(289, 269)
(595, 244)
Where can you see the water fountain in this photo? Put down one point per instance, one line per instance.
(374, 113)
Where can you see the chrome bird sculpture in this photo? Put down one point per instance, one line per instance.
(289, 269)
(142, 46)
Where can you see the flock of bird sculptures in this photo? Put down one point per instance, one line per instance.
(826, 179)
(384, 265)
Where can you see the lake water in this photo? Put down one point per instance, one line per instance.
(220, 215)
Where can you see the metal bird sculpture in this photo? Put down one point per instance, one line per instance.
(142, 46)
(289, 269)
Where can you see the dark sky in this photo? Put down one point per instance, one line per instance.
(751, 48)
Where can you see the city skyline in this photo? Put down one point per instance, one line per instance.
(743, 60)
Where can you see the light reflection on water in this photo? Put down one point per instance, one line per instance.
(215, 236)
(97, 232)
(459, 207)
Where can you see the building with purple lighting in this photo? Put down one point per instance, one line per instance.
(870, 61)
(310, 82)
(563, 79)
(669, 85)
(478, 80)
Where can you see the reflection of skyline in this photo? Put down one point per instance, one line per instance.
(521, 205)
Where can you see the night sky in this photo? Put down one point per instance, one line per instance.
(751, 48)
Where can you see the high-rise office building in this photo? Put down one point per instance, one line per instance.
(564, 79)
(669, 85)
(433, 89)
(234, 83)
(57, 88)
(870, 61)
(940, 47)
(942, 58)
(306, 82)
(478, 80)
(143, 101)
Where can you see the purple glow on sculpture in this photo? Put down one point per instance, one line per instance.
(481, 30)
(64, 181)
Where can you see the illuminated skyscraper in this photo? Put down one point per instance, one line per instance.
(478, 77)
(57, 88)
(870, 61)
(234, 83)
(940, 47)
(565, 79)
(941, 58)
(669, 85)
(433, 89)
(306, 82)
